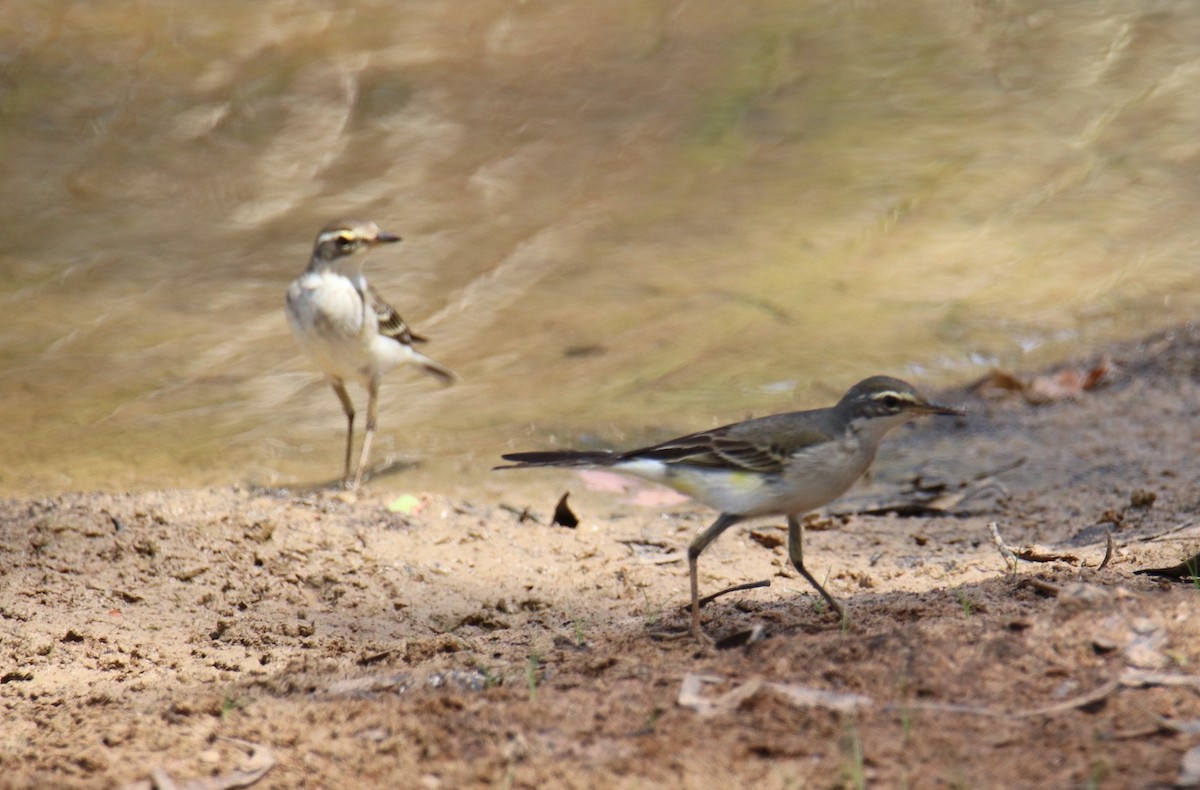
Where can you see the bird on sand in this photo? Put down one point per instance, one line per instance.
(349, 330)
(781, 465)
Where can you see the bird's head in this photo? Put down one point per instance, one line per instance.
(348, 236)
(882, 402)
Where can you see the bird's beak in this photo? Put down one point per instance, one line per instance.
(385, 238)
(937, 408)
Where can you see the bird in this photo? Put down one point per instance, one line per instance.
(780, 465)
(349, 330)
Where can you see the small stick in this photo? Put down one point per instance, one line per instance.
(1164, 533)
(1025, 553)
(1009, 558)
(1137, 678)
(1108, 549)
(999, 470)
(1033, 555)
(735, 588)
(1082, 701)
(632, 542)
(1045, 588)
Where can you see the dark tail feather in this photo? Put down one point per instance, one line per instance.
(436, 369)
(558, 458)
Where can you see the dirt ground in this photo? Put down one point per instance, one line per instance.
(312, 639)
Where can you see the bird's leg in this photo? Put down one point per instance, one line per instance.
(723, 522)
(796, 555)
(339, 388)
(372, 402)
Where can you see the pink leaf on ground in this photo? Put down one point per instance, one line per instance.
(641, 494)
(604, 481)
(656, 496)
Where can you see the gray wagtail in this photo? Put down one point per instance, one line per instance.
(348, 329)
(785, 464)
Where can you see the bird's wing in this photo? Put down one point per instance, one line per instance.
(390, 322)
(762, 445)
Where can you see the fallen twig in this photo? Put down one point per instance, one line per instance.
(1045, 588)
(638, 547)
(1010, 559)
(690, 697)
(666, 559)
(523, 514)
(735, 588)
(976, 491)
(369, 685)
(800, 696)
(1164, 533)
(945, 707)
(1108, 549)
(632, 542)
(999, 470)
(1032, 554)
(804, 697)
(1082, 701)
(1182, 726)
(1137, 678)
(926, 501)
(743, 638)
(260, 759)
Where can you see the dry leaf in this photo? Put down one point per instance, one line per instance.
(563, 514)
(1048, 388)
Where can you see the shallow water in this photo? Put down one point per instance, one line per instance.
(621, 219)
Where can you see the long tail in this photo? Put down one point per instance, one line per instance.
(559, 458)
(435, 369)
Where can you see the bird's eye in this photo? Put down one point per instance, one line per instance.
(342, 242)
(890, 401)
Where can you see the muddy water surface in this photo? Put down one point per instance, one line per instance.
(621, 219)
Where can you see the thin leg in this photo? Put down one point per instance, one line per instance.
(348, 408)
(369, 436)
(796, 555)
(723, 522)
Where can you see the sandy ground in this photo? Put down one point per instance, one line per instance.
(310, 639)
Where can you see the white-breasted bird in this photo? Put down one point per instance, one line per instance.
(348, 329)
(782, 465)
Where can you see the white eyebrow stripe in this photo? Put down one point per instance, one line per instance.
(893, 394)
(330, 235)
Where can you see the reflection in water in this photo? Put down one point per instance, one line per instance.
(621, 219)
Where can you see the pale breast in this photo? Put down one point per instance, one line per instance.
(816, 477)
(325, 312)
